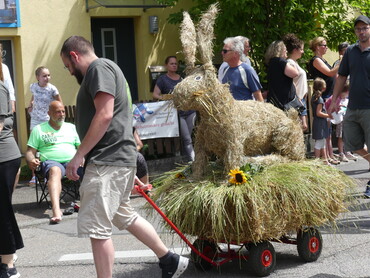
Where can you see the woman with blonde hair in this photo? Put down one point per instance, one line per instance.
(280, 75)
(319, 67)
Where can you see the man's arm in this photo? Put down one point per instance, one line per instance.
(338, 88)
(258, 96)
(104, 106)
(31, 159)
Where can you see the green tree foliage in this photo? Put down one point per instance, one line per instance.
(264, 21)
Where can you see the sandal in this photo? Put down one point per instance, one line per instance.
(333, 161)
(327, 163)
(69, 211)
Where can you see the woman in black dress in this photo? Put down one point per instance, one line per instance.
(319, 67)
(280, 75)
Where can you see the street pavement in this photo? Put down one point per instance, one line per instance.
(56, 251)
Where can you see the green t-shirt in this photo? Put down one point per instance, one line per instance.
(57, 145)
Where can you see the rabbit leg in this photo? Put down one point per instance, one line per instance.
(201, 160)
(233, 156)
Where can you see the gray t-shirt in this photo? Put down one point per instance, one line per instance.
(8, 147)
(117, 147)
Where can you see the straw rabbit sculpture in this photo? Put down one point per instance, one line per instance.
(228, 129)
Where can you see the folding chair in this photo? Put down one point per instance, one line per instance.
(69, 188)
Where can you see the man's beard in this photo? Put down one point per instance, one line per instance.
(59, 122)
(79, 76)
(77, 73)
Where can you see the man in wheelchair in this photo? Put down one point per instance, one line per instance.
(56, 141)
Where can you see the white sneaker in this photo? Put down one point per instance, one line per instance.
(343, 158)
(351, 156)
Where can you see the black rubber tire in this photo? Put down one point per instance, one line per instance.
(309, 244)
(262, 258)
(207, 248)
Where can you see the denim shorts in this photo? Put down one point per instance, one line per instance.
(105, 200)
(304, 111)
(47, 164)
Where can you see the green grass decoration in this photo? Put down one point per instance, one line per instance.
(277, 199)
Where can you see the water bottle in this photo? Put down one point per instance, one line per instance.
(38, 167)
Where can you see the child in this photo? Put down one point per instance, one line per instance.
(340, 110)
(43, 93)
(320, 128)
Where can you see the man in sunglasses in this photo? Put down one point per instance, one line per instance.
(242, 78)
(224, 66)
(356, 64)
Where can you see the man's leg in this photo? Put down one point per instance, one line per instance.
(55, 188)
(103, 251)
(146, 233)
(172, 264)
(364, 153)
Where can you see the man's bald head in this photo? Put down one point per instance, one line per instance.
(56, 113)
(55, 104)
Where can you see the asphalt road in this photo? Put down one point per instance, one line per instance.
(55, 251)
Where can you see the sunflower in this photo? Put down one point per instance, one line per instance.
(237, 177)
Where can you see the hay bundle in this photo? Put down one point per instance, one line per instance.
(280, 199)
(229, 129)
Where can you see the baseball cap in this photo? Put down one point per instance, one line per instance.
(362, 18)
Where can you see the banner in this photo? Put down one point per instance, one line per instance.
(155, 120)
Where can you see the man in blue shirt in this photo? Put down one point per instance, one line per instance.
(242, 78)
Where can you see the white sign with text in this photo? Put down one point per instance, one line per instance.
(155, 120)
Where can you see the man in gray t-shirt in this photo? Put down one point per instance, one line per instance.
(104, 124)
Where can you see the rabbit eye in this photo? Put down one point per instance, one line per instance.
(197, 78)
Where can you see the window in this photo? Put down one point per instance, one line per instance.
(109, 46)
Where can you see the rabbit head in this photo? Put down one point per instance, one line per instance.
(201, 79)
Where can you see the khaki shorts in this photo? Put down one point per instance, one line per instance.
(356, 129)
(105, 200)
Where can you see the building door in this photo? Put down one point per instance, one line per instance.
(7, 56)
(114, 38)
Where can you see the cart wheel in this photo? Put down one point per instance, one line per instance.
(262, 258)
(206, 248)
(309, 244)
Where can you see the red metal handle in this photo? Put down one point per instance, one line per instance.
(173, 226)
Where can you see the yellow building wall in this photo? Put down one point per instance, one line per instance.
(45, 24)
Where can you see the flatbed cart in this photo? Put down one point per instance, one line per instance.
(206, 253)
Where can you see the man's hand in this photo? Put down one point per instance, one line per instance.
(139, 185)
(34, 163)
(332, 108)
(72, 167)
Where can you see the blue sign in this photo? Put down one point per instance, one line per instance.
(9, 13)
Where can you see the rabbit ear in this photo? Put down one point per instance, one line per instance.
(188, 40)
(205, 34)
